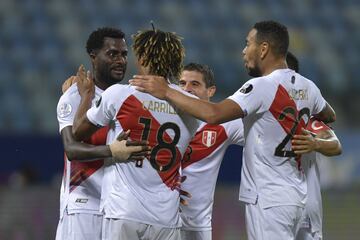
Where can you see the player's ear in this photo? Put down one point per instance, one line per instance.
(92, 55)
(264, 49)
(211, 91)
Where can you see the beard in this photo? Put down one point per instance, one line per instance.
(254, 72)
(106, 76)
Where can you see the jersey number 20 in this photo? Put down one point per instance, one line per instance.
(279, 151)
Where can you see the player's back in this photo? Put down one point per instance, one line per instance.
(278, 105)
(145, 193)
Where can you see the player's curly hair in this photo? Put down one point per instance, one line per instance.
(162, 51)
(96, 38)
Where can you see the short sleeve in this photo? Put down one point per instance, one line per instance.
(250, 97)
(104, 110)
(66, 110)
(319, 101)
(235, 129)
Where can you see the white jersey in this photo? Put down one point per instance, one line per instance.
(313, 207)
(201, 164)
(276, 107)
(145, 194)
(81, 184)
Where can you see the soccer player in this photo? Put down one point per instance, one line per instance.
(80, 217)
(314, 142)
(142, 201)
(275, 105)
(202, 160)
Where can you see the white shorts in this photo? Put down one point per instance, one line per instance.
(196, 235)
(119, 229)
(279, 223)
(306, 234)
(79, 226)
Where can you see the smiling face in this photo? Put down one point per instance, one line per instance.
(252, 54)
(110, 61)
(193, 82)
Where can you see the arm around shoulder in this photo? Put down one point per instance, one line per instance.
(213, 113)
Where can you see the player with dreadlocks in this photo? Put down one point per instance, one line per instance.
(140, 199)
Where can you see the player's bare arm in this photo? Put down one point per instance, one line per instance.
(81, 151)
(325, 142)
(327, 115)
(213, 113)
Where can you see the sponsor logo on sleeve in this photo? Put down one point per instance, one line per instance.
(65, 110)
(246, 88)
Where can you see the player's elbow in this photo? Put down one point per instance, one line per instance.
(338, 149)
(213, 116)
(334, 151)
(213, 120)
(77, 134)
(70, 153)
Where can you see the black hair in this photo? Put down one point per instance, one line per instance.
(205, 70)
(275, 34)
(162, 51)
(96, 38)
(292, 62)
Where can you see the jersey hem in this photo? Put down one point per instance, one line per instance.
(72, 211)
(196, 229)
(141, 221)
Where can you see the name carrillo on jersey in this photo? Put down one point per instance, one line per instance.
(159, 107)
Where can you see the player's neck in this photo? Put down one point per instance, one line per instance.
(274, 65)
(100, 84)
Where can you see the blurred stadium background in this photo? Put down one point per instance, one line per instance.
(43, 42)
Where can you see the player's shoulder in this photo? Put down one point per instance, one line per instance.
(119, 86)
(118, 90)
(71, 94)
(257, 84)
(233, 123)
(305, 80)
(233, 126)
(176, 87)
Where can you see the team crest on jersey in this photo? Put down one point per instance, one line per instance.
(246, 88)
(209, 138)
(65, 110)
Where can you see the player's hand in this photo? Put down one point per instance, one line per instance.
(85, 83)
(154, 85)
(304, 143)
(183, 193)
(124, 150)
(68, 82)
